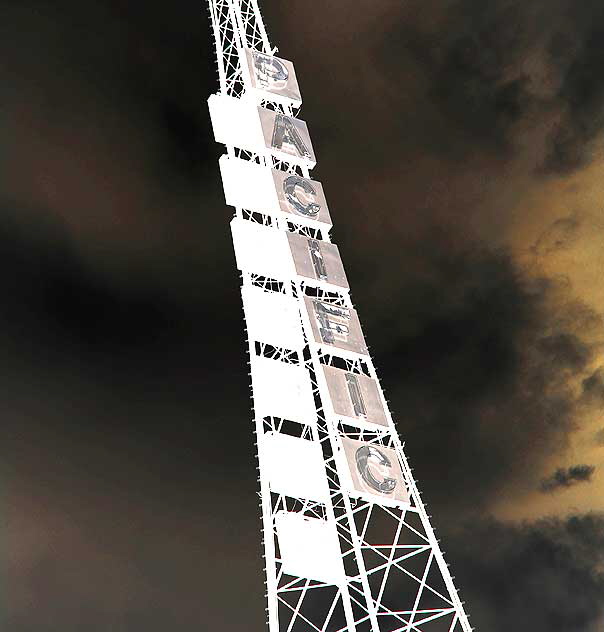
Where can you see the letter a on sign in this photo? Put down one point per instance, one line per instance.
(286, 133)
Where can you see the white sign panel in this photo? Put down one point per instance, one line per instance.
(282, 390)
(309, 547)
(294, 467)
(355, 396)
(272, 318)
(236, 122)
(274, 78)
(257, 188)
(375, 473)
(241, 123)
(318, 260)
(261, 249)
(287, 138)
(336, 326)
(248, 185)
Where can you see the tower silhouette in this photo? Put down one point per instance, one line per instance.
(348, 543)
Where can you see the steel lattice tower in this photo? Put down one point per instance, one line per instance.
(348, 542)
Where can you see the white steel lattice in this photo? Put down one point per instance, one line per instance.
(381, 568)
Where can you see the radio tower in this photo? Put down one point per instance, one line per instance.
(348, 543)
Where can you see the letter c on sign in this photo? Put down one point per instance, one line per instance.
(269, 70)
(293, 187)
(369, 458)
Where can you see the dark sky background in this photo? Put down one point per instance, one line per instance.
(459, 143)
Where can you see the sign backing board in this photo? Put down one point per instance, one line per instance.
(236, 122)
(335, 326)
(374, 473)
(294, 467)
(273, 78)
(318, 260)
(272, 318)
(261, 250)
(282, 390)
(309, 547)
(248, 185)
(355, 396)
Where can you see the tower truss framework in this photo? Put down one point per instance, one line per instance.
(348, 543)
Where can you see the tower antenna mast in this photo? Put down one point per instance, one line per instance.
(348, 543)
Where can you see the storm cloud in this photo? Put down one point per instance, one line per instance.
(565, 477)
(593, 386)
(503, 71)
(533, 577)
(559, 236)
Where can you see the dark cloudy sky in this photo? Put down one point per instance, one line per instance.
(460, 144)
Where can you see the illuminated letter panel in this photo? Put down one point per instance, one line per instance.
(287, 138)
(354, 396)
(301, 196)
(273, 78)
(375, 473)
(318, 260)
(336, 326)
